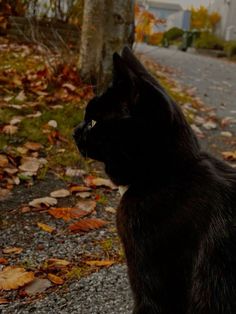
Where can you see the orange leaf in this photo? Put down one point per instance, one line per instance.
(86, 225)
(45, 227)
(105, 263)
(13, 278)
(67, 213)
(55, 279)
(79, 188)
(33, 146)
(3, 261)
(3, 301)
(229, 155)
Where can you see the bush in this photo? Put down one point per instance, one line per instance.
(155, 39)
(230, 49)
(173, 34)
(209, 41)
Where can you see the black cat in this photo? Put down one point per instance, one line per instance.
(176, 219)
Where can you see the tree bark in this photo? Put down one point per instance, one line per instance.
(108, 25)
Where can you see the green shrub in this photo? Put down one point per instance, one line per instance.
(230, 48)
(209, 41)
(173, 34)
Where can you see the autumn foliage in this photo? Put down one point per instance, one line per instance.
(145, 24)
(201, 19)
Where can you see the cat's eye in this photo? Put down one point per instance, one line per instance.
(93, 122)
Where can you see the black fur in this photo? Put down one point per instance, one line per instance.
(176, 220)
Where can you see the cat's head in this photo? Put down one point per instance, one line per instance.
(135, 128)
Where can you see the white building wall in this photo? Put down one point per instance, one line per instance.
(227, 11)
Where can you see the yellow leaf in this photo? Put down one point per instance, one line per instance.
(57, 263)
(55, 279)
(13, 278)
(12, 250)
(45, 227)
(104, 263)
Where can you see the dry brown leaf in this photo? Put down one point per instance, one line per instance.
(85, 225)
(229, 155)
(60, 193)
(12, 250)
(45, 227)
(98, 263)
(79, 188)
(84, 194)
(110, 209)
(4, 193)
(38, 285)
(30, 164)
(33, 146)
(67, 213)
(47, 201)
(14, 277)
(55, 279)
(86, 205)
(10, 129)
(3, 161)
(94, 182)
(3, 261)
(54, 263)
(4, 301)
(21, 96)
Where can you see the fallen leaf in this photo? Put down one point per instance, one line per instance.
(94, 182)
(85, 225)
(30, 164)
(55, 279)
(197, 131)
(21, 96)
(11, 171)
(71, 87)
(86, 205)
(110, 210)
(3, 261)
(45, 227)
(14, 277)
(226, 134)
(4, 301)
(54, 263)
(67, 213)
(15, 120)
(229, 155)
(33, 146)
(52, 123)
(4, 193)
(34, 115)
(47, 201)
(10, 129)
(210, 125)
(98, 263)
(12, 250)
(60, 193)
(79, 188)
(83, 194)
(74, 172)
(38, 285)
(3, 161)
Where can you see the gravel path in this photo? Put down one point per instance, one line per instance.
(105, 292)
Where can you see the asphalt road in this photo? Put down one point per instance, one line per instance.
(213, 78)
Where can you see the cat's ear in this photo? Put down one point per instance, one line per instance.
(121, 72)
(136, 66)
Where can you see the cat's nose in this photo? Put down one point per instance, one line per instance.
(78, 130)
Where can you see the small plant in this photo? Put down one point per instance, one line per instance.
(230, 48)
(209, 41)
(173, 34)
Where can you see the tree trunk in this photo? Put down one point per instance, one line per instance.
(108, 25)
